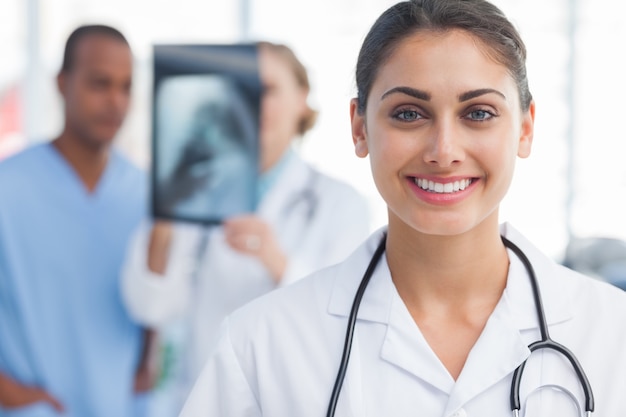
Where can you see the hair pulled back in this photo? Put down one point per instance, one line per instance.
(479, 18)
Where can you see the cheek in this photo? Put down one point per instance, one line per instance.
(271, 110)
(79, 105)
(389, 156)
(392, 148)
(498, 159)
(88, 101)
(125, 101)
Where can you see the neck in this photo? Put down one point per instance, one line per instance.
(89, 161)
(450, 274)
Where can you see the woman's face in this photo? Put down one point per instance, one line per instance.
(443, 127)
(282, 107)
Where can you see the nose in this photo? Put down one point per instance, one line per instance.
(444, 147)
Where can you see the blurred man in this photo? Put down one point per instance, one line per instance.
(67, 209)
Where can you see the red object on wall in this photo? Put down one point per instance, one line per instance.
(11, 134)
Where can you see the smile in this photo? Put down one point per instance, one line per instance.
(441, 188)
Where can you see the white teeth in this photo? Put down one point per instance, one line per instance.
(440, 188)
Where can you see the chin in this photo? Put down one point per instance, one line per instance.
(439, 224)
(455, 224)
(101, 141)
(444, 229)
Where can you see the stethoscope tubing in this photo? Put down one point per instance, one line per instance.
(544, 343)
(347, 346)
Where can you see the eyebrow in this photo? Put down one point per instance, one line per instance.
(423, 95)
(413, 92)
(480, 92)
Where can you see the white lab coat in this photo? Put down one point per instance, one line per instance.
(317, 220)
(279, 355)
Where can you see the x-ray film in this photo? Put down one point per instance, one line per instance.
(205, 148)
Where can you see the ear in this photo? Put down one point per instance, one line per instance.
(61, 83)
(527, 132)
(359, 134)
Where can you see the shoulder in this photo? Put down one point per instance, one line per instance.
(17, 171)
(284, 308)
(330, 193)
(597, 297)
(334, 189)
(23, 160)
(284, 323)
(566, 288)
(128, 171)
(307, 302)
(123, 162)
(328, 180)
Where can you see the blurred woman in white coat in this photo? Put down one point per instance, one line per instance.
(305, 220)
(445, 312)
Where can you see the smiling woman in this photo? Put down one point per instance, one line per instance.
(445, 304)
(442, 123)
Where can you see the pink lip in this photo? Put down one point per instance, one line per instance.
(442, 199)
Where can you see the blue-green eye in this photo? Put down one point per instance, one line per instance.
(480, 115)
(407, 115)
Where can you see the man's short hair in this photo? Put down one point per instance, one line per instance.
(82, 32)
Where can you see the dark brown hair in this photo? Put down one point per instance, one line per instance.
(480, 18)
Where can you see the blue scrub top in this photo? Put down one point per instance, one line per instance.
(63, 326)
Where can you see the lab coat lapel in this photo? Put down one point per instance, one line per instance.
(503, 344)
(403, 345)
(406, 348)
(554, 292)
(499, 350)
(375, 304)
(285, 205)
(290, 183)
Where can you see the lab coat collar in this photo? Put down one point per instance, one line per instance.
(377, 300)
(503, 342)
(553, 285)
(295, 177)
(404, 345)
(499, 350)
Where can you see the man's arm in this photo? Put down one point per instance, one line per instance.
(13, 395)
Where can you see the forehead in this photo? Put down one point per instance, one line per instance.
(273, 66)
(101, 52)
(438, 59)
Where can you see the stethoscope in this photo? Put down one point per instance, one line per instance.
(544, 343)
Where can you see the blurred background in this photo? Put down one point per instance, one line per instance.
(572, 188)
